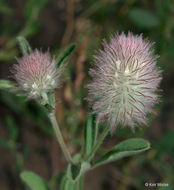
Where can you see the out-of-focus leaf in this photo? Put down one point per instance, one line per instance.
(6, 84)
(76, 158)
(65, 54)
(143, 18)
(6, 55)
(24, 45)
(4, 143)
(33, 181)
(12, 128)
(30, 28)
(16, 103)
(74, 171)
(5, 10)
(166, 143)
(33, 8)
(126, 148)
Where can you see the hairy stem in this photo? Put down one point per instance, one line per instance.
(99, 142)
(59, 136)
(78, 185)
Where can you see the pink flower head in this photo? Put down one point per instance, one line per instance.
(37, 73)
(124, 81)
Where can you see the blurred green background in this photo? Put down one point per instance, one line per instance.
(26, 137)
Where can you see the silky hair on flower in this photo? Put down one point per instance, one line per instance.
(124, 82)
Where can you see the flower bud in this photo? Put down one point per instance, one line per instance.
(37, 74)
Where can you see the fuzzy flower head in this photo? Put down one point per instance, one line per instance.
(125, 80)
(36, 73)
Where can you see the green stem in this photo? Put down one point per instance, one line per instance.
(59, 136)
(81, 181)
(97, 145)
(78, 185)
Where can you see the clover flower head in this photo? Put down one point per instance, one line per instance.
(36, 73)
(125, 79)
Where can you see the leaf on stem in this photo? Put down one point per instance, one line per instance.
(143, 18)
(33, 8)
(6, 84)
(90, 134)
(12, 128)
(24, 45)
(65, 54)
(4, 143)
(34, 181)
(126, 148)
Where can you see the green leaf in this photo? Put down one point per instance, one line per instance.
(24, 45)
(16, 103)
(34, 181)
(74, 171)
(143, 18)
(4, 143)
(51, 99)
(65, 54)
(12, 128)
(66, 184)
(30, 28)
(126, 148)
(4, 9)
(6, 54)
(76, 158)
(33, 8)
(6, 84)
(90, 134)
(166, 144)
